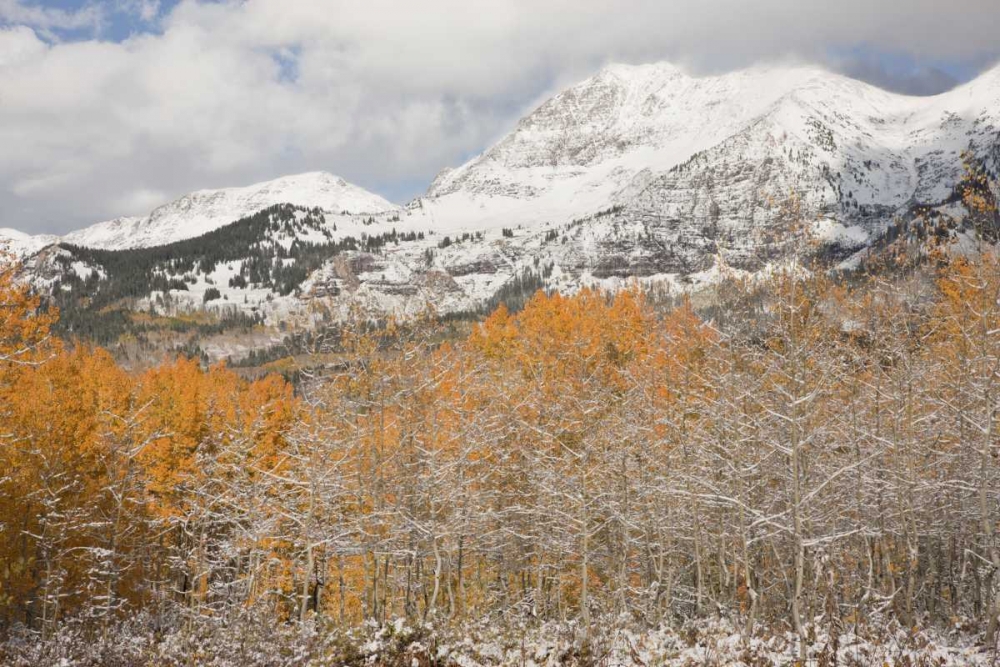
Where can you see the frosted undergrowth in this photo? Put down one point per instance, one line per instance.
(487, 643)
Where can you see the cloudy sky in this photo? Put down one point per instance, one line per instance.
(112, 107)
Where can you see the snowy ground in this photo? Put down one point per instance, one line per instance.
(493, 644)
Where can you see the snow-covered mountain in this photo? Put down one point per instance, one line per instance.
(706, 164)
(201, 212)
(639, 172)
(20, 244)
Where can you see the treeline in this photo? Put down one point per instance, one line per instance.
(825, 456)
(115, 327)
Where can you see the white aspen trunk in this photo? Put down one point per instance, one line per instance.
(304, 601)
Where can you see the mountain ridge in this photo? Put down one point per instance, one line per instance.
(803, 73)
(636, 173)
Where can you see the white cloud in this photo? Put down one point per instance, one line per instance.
(19, 44)
(141, 199)
(381, 92)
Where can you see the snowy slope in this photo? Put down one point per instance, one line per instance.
(579, 150)
(674, 146)
(20, 244)
(205, 210)
(704, 167)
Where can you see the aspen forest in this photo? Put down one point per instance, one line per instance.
(805, 460)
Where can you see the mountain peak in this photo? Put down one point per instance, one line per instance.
(630, 72)
(318, 178)
(20, 244)
(645, 116)
(202, 211)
